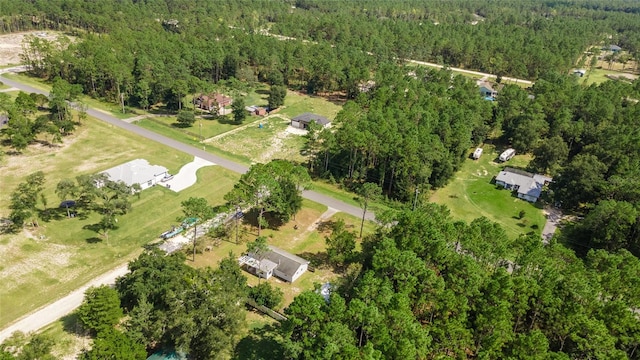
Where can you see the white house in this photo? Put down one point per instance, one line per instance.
(137, 171)
(528, 185)
(278, 262)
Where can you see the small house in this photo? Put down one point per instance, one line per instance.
(612, 48)
(486, 89)
(527, 185)
(137, 171)
(507, 154)
(276, 261)
(213, 102)
(477, 153)
(302, 121)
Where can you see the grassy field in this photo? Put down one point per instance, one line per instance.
(471, 195)
(208, 127)
(296, 103)
(47, 262)
(597, 76)
(261, 144)
(3, 86)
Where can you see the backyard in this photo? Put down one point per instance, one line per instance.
(471, 194)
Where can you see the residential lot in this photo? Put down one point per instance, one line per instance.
(471, 194)
(47, 262)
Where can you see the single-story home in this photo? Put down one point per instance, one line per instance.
(486, 89)
(276, 261)
(528, 185)
(137, 171)
(302, 121)
(213, 102)
(612, 47)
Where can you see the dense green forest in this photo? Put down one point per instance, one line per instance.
(426, 287)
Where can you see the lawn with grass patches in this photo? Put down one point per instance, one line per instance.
(48, 262)
(261, 144)
(296, 104)
(3, 86)
(471, 195)
(210, 126)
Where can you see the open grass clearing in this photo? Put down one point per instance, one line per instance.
(46, 263)
(471, 195)
(3, 86)
(261, 144)
(296, 103)
(203, 128)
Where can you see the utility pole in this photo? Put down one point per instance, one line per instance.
(237, 221)
(415, 200)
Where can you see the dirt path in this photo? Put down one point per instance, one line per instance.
(240, 128)
(54, 311)
(324, 217)
(554, 217)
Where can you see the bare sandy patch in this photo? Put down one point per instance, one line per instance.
(11, 45)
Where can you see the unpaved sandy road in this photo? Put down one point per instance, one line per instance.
(54, 311)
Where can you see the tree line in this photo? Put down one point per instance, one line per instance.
(431, 287)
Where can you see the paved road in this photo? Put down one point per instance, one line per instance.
(227, 164)
(66, 305)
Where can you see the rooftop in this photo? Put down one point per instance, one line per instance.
(309, 117)
(135, 172)
(528, 183)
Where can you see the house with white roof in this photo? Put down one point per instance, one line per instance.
(137, 171)
(527, 185)
(276, 261)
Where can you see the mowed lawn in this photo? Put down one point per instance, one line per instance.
(471, 195)
(45, 263)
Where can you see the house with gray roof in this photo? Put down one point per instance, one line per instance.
(276, 261)
(527, 185)
(137, 171)
(302, 121)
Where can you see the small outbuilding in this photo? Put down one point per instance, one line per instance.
(302, 121)
(137, 171)
(507, 155)
(477, 153)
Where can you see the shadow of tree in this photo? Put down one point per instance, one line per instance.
(319, 260)
(260, 343)
(71, 324)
